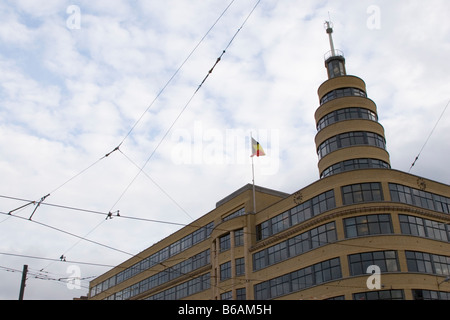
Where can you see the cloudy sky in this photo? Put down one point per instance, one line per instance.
(79, 78)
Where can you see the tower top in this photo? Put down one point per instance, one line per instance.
(333, 52)
(334, 59)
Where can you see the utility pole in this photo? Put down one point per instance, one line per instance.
(24, 279)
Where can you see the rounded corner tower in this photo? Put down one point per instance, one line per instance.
(349, 136)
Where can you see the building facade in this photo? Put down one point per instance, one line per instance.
(363, 231)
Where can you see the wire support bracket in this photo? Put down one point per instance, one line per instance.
(37, 205)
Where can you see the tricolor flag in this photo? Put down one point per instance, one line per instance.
(257, 150)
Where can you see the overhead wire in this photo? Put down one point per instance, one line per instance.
(429, 136)
(186, 105)
(71, 234)
(146, 111)
(39, 203)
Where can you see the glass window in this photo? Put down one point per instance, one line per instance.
(354, 164)
(294, 246)
(419, 294)
(368, 225)
(302, 279)
(419, 262)
(225, 242)
(386, 260)
(240, 266)
(364, 192)
(344, 92)
(241, 294)
(239, 237)
(277, 253)
(298, 214)
(280, 222)
(312, 275)
(226, 295)
(379, 295)
(259, 260)
(350, 139)
(225, 271)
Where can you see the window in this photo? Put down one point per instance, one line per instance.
(379, 295)
(327, 271)
(296, 215)
(241, 294)
(423, 227)
(225, 271)
(302, 279)
(386, 260)
(259, 260)
(240, 266)
(419, 198)
(368, 225)
(364, 192)
(162, 255)
(348, 139)
(280, 222)
(280, 286)
(186, 242)
(354, 164)
(419, 294)
(225, 243)
(344, 92)
(320, 236)
(184, 289)
(346, 114)
(441, 203)
(323, 235)
(412, 225)
(299, 244)
(175, 248)
(263, 230)
(321, 272)
(226, 295)
(235, 214)
(441, 265)
(239, 238)
(277, 253)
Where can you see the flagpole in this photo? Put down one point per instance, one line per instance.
(253, 173)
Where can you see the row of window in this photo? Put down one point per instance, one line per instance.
(225, 269)
(241, 294)
(322, 235)
(362, 192)
(353, 194)
(358, 263)
(158, 257)
(398, 294)
(295, 246)
(199, 260)
(365, 225)
(298, 280)
(343, 92)
(348, 139)
(346, 114)
(225, 240)
(419, 198)
(296, 215)
(235, 214)
(424, 228)
(184, 289)
(428, 263)
(354, 164)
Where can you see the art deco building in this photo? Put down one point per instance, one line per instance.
(321, 242)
